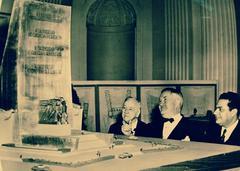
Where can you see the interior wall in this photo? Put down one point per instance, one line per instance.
(143, 49)
(79, 38)
(143, 44)
(158, 40)
(198, 41)
(237, 10)
(151, 55)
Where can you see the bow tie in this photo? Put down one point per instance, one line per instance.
(168, 120)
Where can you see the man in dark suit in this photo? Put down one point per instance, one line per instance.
(227, 112)
(129, 123)
(167, 120)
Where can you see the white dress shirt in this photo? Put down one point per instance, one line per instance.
(168, 127)
(229, 131)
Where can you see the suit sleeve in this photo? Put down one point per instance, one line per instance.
(111, 130)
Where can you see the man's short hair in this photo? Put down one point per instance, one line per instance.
(172, 90)
(234, 100)
(175, 91)
(138, 105)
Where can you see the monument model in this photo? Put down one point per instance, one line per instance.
(36, 67)
(36, 81)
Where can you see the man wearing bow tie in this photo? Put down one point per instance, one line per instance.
(167, 120)
(227, 120)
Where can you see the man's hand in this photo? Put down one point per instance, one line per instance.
(126, 129)
(6, 114)
(187, 138)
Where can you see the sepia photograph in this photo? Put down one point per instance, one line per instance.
(119, 85)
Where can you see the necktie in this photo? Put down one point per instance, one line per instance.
(168, 120)
(223, 135)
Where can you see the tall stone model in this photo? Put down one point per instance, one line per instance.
(35, 70)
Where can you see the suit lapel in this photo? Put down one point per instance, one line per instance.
(138, 127)
(179, 132)
(234, 138)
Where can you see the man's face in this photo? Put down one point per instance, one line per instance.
(224, 116)
(130, 110)
(168, 104)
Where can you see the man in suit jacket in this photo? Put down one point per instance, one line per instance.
(129, 122)
(167, 120)
(227, 112)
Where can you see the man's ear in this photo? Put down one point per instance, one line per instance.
(138, 113)
(234, 111)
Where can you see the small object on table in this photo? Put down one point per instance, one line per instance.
(41, 168)
(125, 155)
(132, 137)
(98, 153)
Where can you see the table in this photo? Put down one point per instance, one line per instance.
(145, 155)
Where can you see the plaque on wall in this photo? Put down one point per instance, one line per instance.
(198, 100)
(87, 100)
(36, 73)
